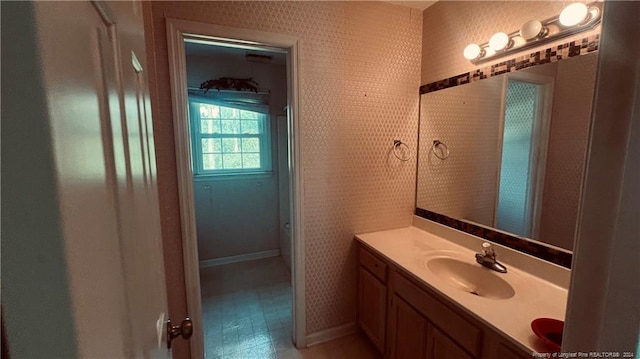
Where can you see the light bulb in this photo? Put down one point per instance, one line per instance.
(574, 14)
(531, 30)
(472, 51)
(499, 41)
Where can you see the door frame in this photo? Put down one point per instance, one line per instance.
(177, 31)
(540, 140)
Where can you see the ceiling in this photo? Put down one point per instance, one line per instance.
(417, 4)
(229, 53)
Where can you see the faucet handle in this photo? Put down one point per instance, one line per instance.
(488, 250)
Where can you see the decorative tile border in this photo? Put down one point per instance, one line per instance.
(553, 54)
(532, 248)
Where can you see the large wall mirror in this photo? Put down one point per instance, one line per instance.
(508, 152)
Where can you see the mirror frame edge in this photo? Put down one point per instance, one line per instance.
(577, 47)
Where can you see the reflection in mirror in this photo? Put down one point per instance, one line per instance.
(522, 151)
(517, 148)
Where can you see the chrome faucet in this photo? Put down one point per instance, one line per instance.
(488, 258)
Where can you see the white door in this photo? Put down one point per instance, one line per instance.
(93, 65)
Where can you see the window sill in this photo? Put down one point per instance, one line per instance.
(232, 176)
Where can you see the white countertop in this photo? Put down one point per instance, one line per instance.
(534, 297)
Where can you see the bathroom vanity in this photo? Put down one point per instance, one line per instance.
(421, 296)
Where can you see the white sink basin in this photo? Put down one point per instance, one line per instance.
(471, 278)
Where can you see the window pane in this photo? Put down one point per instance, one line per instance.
(229, 113)
(211, 162)
(228, 138)
(209, 111)
(230, 126)
(251, 160)
(210, 145)
(232, 161)
(250, 127)
(210, 126)
(230, 145)
(250, 145)
(249, 115)
(205, 111)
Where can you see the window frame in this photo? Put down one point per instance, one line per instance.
(197, 137)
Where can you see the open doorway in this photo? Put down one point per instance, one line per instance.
(523, 152)
(237, 114)
(240, 184)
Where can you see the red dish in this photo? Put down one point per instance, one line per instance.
(549, 331)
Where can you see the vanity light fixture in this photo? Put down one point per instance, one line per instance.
(573, 19)
(573, 14)
(499, 41)
(472, 51)
(532, 30)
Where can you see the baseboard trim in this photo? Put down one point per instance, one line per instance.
(239, 258)
(330, 334)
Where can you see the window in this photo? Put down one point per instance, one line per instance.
(228, 140)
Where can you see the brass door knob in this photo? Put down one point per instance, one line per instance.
(184, 330)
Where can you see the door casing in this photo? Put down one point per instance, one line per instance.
(540, 140)
(177, 31)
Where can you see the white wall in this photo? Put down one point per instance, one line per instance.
(602, 311)
(239, 215)
(33, 258)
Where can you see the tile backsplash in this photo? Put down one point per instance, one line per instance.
(449, 26)
(552, 54)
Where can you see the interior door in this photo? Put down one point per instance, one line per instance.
(93, 58)
(141, 241)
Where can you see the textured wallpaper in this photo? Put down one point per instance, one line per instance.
(467, 119)
(567, 149)
(449, 26)
(360, 64)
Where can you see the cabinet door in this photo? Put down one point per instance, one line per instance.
(497, 347)
(372, 307)
(439, 346)
(407, 331)
(505, 352)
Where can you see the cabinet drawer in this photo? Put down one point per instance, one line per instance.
(374, 265)
(465, 334)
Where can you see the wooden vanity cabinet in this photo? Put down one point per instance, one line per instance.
(496, 347)
(440, 346)
(463, 339)
(372, 297)
(407, 335)
(405, 319)
(411, 336)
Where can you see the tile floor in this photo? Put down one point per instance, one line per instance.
(246, 312)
